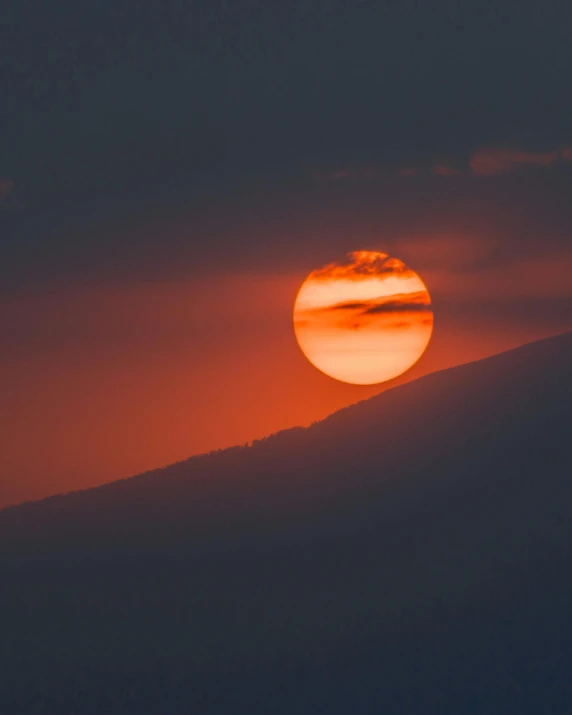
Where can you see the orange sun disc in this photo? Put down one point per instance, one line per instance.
(365, 320)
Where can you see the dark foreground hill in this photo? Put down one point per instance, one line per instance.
(409, 554)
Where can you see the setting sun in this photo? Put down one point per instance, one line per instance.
(365, 320)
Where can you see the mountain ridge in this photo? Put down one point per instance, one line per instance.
(157, 472)
(407, 439)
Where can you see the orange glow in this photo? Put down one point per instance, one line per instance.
(101, 382)
(364, 321)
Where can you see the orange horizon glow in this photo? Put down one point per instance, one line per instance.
(101, 382)
(363, 321)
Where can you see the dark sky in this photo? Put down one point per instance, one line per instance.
(114, 100)
(105, 98)
(171, 171)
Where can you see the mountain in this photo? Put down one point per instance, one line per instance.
(409, 554)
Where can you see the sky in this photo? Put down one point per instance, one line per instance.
(170, 173)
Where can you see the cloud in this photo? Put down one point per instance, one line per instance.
(440, 168)
(408, 303)
(445, 170)
(355, 173)
(492, 161)
(399, 303)
(399, 311)
(346, 306)
(485, 161)
(6, 187)
(9, 199)
(409, 171)
(362, 264)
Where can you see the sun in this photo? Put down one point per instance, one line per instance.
(365, 320)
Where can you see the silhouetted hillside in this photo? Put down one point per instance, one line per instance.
(409, 554)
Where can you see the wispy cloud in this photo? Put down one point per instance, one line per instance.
(346, 174)
(407, 303)
(6, 188)
(409, 171)
(441, 169)
(490, 162)
(399, 303)
(485, 161)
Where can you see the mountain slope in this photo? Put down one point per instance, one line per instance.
(408, 554)
(435, 433)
